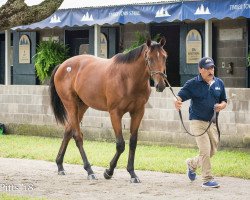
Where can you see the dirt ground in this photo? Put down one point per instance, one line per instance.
(39, 179)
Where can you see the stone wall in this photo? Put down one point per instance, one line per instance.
(128, 33)
(51, 33)
(26, 110)
(231, 46)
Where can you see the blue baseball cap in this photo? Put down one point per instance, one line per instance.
(206, 62)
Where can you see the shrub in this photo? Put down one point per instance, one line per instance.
(49, 54)
(140, 39)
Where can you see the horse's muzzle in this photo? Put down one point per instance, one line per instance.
(160, 87)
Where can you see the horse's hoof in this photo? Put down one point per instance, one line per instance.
(61, 172)
(135, 180)
(92, 177)
(106, 175)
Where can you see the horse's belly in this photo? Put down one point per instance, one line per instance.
(90, 87)
(95, 101)
(100, 107)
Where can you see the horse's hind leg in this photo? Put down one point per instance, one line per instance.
(68, 134)
(78, 137)
(136, 118)
(120, 143)
(59, 159)
(75, 110)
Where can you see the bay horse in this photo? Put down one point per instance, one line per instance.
(117, 85)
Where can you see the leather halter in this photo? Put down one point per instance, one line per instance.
(152, 72)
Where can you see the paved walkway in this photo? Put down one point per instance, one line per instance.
(39, 179)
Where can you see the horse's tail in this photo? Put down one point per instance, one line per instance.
(55, 101)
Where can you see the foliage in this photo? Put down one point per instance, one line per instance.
(164, 158)
(140, 39)
(4, 196)
(49, 54)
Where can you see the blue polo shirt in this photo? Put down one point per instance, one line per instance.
(203, 97)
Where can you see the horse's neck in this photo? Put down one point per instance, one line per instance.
(138, 71)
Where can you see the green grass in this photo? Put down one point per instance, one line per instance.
(14, 197)
(169, 159)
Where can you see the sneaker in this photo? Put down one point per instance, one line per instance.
(211, 184)
(190, 173)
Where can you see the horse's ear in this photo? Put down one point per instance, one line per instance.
(148, 42)
(163, 41)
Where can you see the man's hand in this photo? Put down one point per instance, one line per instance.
(178, 103)
(220, 106)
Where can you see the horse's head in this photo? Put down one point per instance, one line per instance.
(156, 61)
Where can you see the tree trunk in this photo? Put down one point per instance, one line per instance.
(16, 12)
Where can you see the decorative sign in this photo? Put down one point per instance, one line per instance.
(103, 46)
(193, 47)
(53, 38)
(24, 49)
(84, 49)
(231, 34)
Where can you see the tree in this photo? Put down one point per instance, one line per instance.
(17, 12)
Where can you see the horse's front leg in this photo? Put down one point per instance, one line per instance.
(120, 143)
(136, 118)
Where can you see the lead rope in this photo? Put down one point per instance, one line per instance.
(213, 119)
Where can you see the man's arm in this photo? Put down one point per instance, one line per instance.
(223, 99)
(220, 106)
(178, 103)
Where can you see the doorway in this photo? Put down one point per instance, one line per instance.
(172, 47)
(82, 41)
(24, 72)
(112, 35)
(248, 56)
(78, 41)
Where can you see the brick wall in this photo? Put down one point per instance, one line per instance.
(231, 46)
(129, 31)
(51, 32)
(26, 110)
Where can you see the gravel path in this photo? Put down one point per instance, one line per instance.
(39, 179)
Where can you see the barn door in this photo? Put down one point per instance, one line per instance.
(188, 69)
(24, 49)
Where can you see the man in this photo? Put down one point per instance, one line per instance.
(207, 93)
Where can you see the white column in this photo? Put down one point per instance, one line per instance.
(208, 38)
(97, 33)
(7, 57)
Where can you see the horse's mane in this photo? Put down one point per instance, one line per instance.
(129, 57)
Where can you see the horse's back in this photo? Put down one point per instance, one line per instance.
(80, 66)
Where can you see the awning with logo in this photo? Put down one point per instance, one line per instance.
(163, 12)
